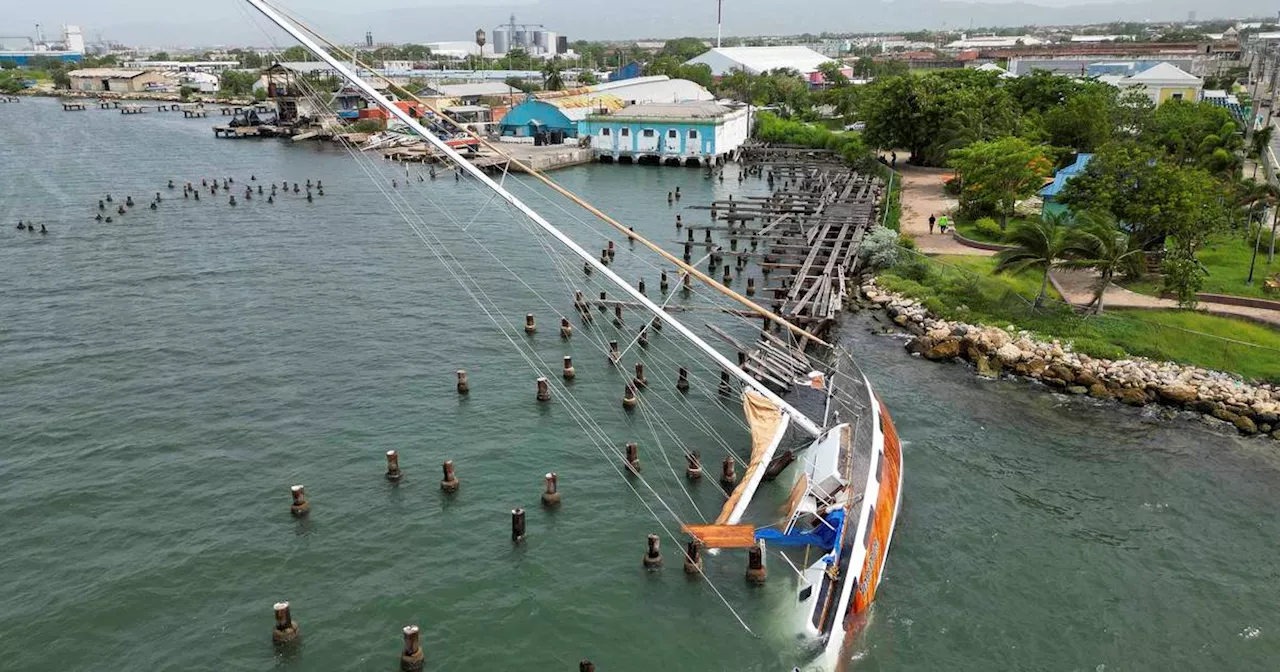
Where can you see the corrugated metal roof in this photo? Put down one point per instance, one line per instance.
(106, 73)
(689, 110)
(475, 89)
(757, 60)
(1060, 179)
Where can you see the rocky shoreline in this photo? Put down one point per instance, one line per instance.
(1252, 409)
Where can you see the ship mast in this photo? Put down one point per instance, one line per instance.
(799, 418)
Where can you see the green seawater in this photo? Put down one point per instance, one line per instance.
(165, 378)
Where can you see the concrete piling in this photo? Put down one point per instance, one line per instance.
(551, 495)
(663, 285)
(569, 373)
(629, 399)
(682, 381)
(653, 557)
(728, 475)
(300, 506)
(530, 326)
(614, 354)
(544, 390)
(566, 329)
(411, 656)
(633, 458)
(694, 471)
(640, 381)
(517, 525)
(755, 565)
(450, 481)
(286, 630)
(693, 558)
(463, 386)
(393, 467)
(725, 388)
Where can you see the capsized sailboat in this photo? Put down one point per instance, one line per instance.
(846, 499)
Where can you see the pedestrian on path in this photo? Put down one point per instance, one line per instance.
(932, 219)
(943, 224)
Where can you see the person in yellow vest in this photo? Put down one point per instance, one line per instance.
(943, 223)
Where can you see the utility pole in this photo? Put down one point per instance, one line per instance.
(719, 21)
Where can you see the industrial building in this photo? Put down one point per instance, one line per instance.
(21, 50)
(562, 112)
(1086, 66)
(695, 132)
(214, 67)
(533, 38)
(758, 60)
(117, 80)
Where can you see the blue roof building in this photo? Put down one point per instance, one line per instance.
(1050, 192)
(628, 71)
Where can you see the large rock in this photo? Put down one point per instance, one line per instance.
(1245, 425)
(1100, 391)
(1085, 379)
(1077, 389)
(947, 349)
(1133, 396)
(1009, 354)
(1177, 394)
(1036, 366)
(1061, 372)
(988, 367)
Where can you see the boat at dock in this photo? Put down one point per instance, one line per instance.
(797, 389)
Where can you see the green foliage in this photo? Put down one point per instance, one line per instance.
(297, 53)
(771, 128)
(1182, 276)
(552, 80)
(989, 228)
(11, 82)
(367, 126)
(249, 60)
(880, 248)
(1190, 131)
(1097, 243)
(405, 52)
(588, 78)
(521, 84)
(676, 69)
(1084, 122)
(238, 83)
(6, 64)
(996, 175)
(160, 56)
(1038, 244)
(684, 48)
(782, 88)
(61, 79)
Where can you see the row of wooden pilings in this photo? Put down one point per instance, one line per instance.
(286, 633)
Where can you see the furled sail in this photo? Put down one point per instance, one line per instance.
(768, 425)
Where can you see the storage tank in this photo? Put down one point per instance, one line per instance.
(535, 39)
(562, 44)
(520, 39)
(501, 40)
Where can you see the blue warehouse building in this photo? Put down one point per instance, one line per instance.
(688, 133)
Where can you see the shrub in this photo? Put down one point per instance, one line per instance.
(914, 269)
(989, 227)
(907, 242)
(367, 126)
(880, 248)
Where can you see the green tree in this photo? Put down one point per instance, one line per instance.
(61, 79)
(684, 48)
(297, 53)
(7, 64)
(11, 82)
(1096, 243)
(1084, 122)
(160, 56)
(250, 60)
(551, 77)
(999, 173)
(1038, 244)
(1180, 128)
(833, 75)
(588, 78)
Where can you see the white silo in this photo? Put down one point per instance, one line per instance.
(501, 40)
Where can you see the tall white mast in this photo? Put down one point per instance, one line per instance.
(799, 418)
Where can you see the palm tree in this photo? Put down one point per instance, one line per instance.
(1097, 243)
(1260, 141)
(1038, 244)
(552, 80)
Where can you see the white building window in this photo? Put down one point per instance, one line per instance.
(1176, 96)
(693, 135)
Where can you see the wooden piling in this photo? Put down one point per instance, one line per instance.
(617, 315)
(679, 222)
(603, 297)
(544, 390)
(286, 629)
(614, 354)
(725, 388)
(633, 458)
(566, 329)
(693, 558)
(663, 286)
(640, 381)
(450, 481)
(728, 475)
(755, 565)
(517, 525)
(411, 656)
(751, 286)
(393, 467)
(652, 556)
(551, 495)
(586, 666)
(530, 327)
(694, 471)
(629, 399)
(643, 339)
(682, 381)
(688, 282)
(640, 286)
(300, 506)
(569, 372)
(463, 386)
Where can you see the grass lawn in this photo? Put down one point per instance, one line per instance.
(970, 231)
(973, 295)
(1227, 260)
(1026, 283)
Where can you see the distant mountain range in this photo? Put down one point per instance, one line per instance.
(224, 23)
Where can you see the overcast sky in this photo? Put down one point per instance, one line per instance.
(211, 22)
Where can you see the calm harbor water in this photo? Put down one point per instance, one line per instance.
(166, 377)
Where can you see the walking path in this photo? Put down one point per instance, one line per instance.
(923, 195)
(1076, 286)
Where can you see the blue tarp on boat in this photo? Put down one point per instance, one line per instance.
(822, 536)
